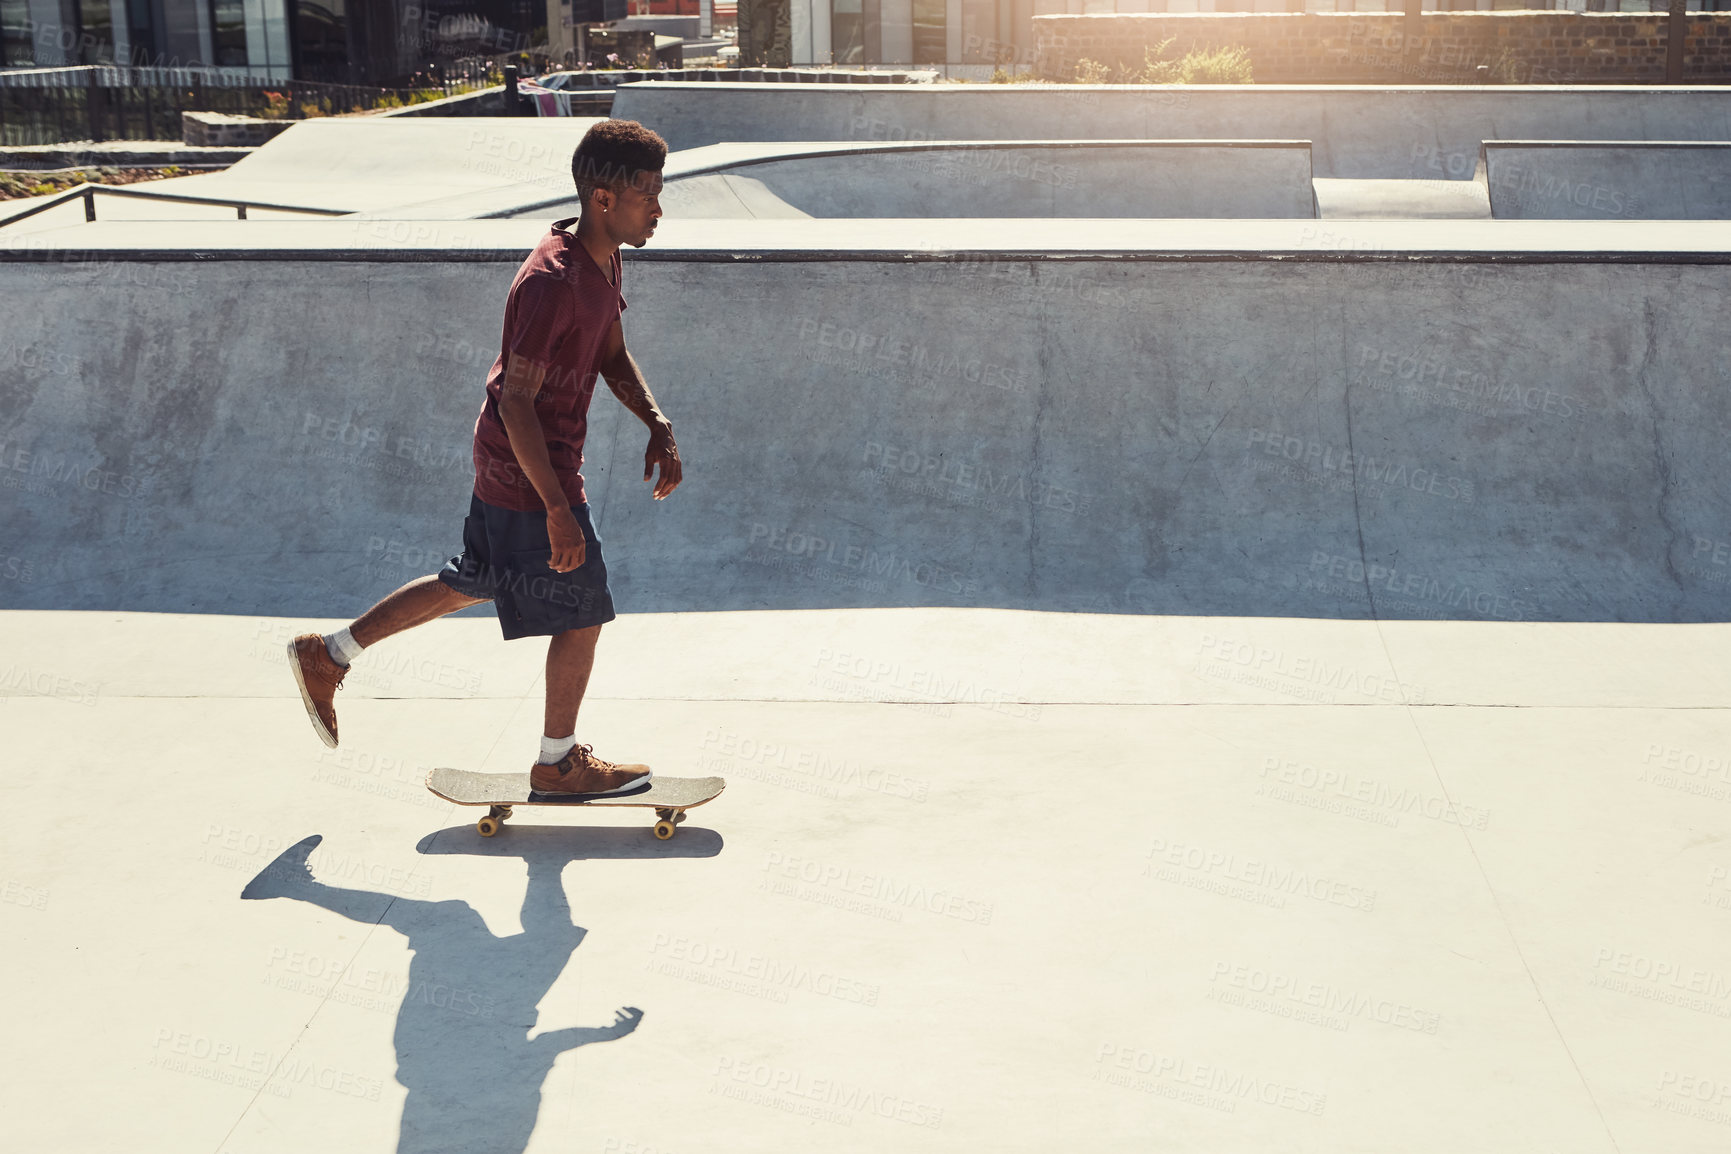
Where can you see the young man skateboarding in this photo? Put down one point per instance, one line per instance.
(528, 544)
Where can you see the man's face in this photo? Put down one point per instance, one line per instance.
(630, 211)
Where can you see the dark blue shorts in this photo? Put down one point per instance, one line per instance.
(504, 560)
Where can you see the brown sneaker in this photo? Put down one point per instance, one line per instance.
(319, 678)
(580, 771)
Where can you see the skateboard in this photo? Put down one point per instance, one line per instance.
(669, 797)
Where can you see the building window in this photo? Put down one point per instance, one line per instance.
(95, 32)
(228, 33)
(847, 32)
(322, 37)
(930, 45)
(16, 48)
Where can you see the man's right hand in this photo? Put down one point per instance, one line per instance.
(566, 535)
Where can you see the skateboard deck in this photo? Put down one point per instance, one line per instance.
(669, 797)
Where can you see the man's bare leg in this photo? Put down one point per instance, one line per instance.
(565, 766)
(315, 664)
(570, 657)
(420, 601)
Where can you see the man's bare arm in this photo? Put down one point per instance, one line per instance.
(626, 380)
(523, 381)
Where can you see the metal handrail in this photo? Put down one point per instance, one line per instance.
(87, 192)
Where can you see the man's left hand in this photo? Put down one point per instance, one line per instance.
(663, 452)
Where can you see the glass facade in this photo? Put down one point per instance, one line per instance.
(228, 33)
(847, 32)
(321, 29)
(16, 49)
(929, 32)
(95, 32)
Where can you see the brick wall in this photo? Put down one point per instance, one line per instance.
(1369, 47)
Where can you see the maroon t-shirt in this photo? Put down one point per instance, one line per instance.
(559, 312)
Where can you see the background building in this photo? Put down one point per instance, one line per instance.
(373, 42)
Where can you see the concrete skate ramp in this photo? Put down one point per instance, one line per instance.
(1625, 180)
(1338, 199)
(1364, 131)
(390, 166)
(1246, 424)
(1240, 178)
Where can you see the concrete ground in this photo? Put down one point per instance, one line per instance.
(980, 880)
(986, 876)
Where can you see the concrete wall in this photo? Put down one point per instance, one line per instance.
(1563, 180)
(1242, 180)
(1295, 438)
(1379, 47)
(1357, 131)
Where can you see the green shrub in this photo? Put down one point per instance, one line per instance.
(1156, 69)
(1224, 65)
(1092, 72)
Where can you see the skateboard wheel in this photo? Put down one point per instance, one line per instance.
(664, 829)
(487, 826)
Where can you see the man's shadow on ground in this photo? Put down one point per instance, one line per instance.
(464, 1053)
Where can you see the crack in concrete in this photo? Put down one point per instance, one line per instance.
(1661, 460)
(1041, 401)
(1357, 513)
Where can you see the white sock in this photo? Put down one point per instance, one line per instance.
(342, 647)
(555, 748)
